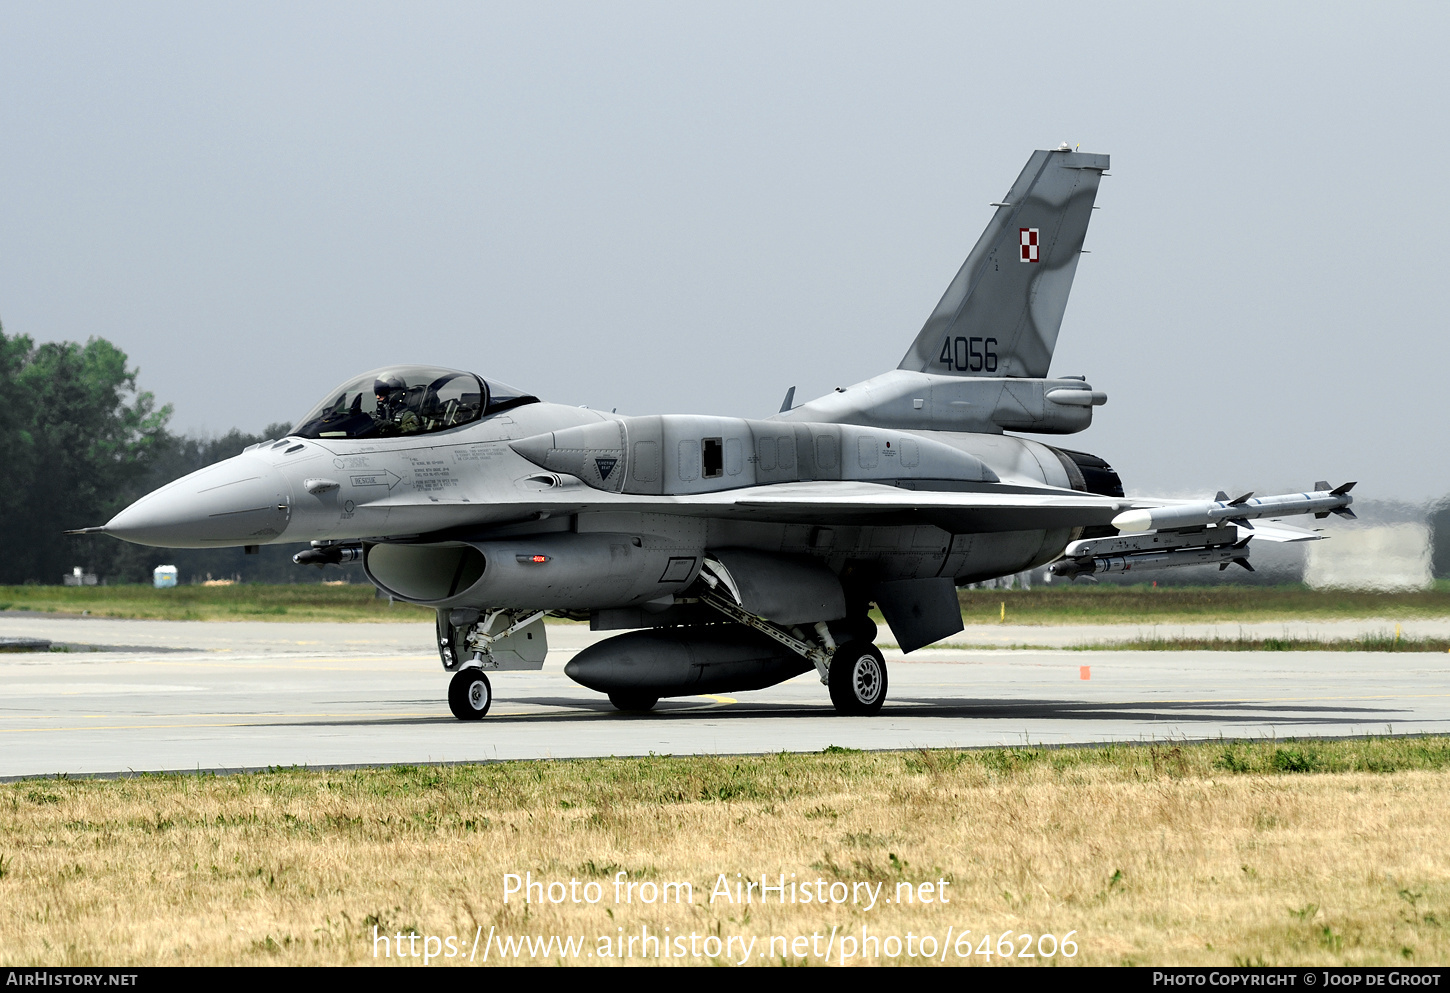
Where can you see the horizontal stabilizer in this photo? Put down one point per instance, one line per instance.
(1278, 531)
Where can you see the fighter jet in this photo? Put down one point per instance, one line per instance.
(731, 553)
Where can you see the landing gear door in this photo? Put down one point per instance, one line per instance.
(525, 649)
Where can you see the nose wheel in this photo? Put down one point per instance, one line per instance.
(857, 679)
(469, 694)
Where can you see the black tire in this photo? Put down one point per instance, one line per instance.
(858, 679)
(470, 694)
(633, 701)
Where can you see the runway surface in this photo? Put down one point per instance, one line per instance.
(188, 696)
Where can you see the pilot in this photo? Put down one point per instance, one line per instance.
(394, 415)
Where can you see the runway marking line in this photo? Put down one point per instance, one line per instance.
(264, 719)
(274, 665)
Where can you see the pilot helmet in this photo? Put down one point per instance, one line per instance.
(388, 387)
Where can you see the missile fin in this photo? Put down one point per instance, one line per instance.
(1221, 497)
(1341, 490)
(1243, 499)
(1346, 513)
(1240, 522)
(1242, 562)
(1321, 515)
(1321, 486)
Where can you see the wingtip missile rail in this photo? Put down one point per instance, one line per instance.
(1241, 510)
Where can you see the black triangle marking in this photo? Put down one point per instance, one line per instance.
(605, 466)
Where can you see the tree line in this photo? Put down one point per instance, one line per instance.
(79, 443)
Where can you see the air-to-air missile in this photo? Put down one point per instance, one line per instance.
(1321, 503)
(1205, 533)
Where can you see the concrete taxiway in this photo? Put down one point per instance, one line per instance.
(186, 696)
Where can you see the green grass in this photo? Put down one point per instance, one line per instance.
(666, 779)
(1085, 604)
(1077, 604)
(243, 602)
(1367, 643)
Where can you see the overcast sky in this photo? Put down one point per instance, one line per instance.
(692, 207)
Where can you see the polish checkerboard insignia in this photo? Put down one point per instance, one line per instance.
(1029, 244)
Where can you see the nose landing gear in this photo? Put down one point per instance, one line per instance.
(469, 694)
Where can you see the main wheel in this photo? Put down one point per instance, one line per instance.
(469, 694)
(633, 701)
(858, 678)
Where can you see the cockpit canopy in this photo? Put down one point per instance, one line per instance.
(407, 400)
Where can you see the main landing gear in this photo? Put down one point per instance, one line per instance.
(637, 703)
(853, 671)
(857, 679)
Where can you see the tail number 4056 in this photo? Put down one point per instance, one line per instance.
(969, 354)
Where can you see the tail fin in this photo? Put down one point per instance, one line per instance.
(1001, 314)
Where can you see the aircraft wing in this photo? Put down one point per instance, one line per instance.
(829, 502)
(970, 511)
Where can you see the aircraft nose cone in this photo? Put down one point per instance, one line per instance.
(242, 501)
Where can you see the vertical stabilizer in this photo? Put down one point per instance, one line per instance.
(1001, 314)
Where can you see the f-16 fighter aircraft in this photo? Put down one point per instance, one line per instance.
(732, 553)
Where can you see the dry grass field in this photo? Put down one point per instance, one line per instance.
(1270, 852)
